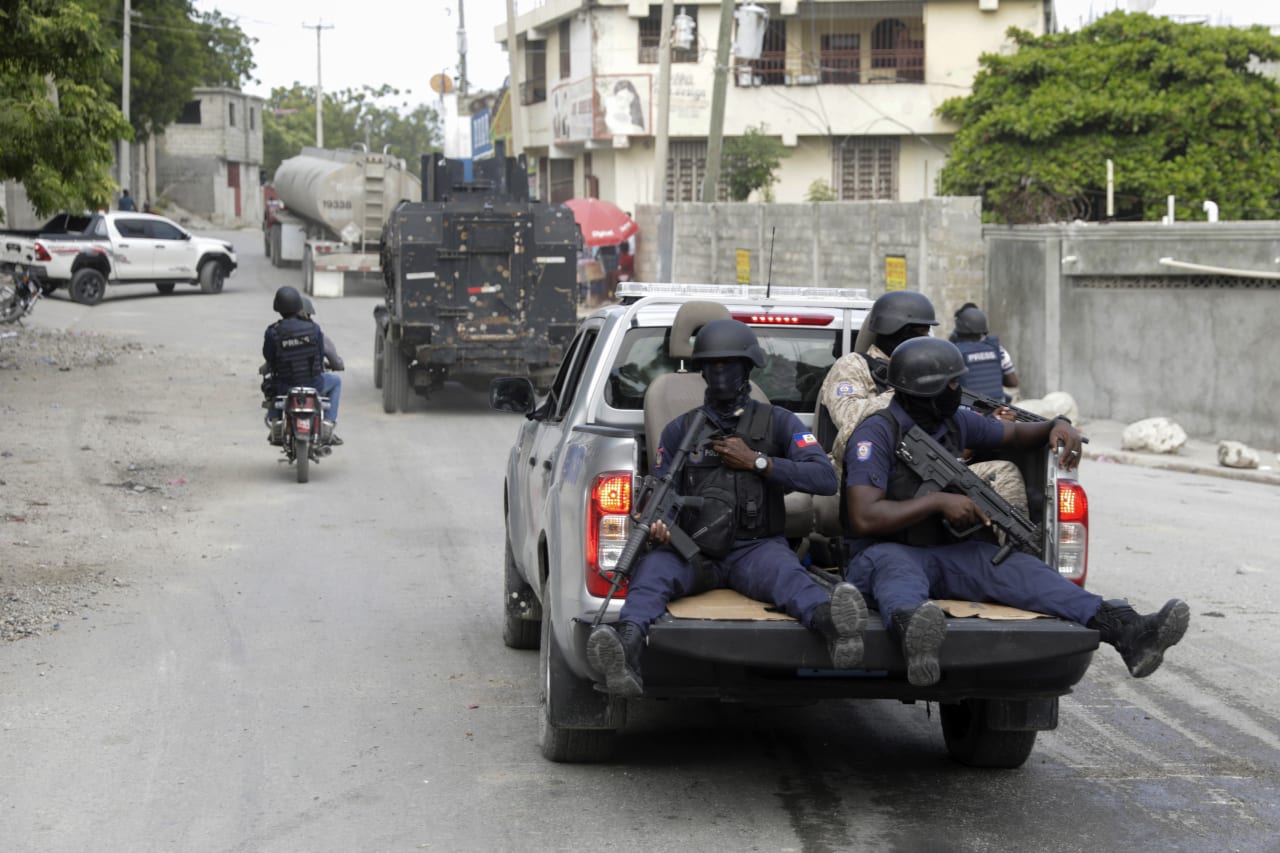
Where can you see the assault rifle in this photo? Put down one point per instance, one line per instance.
(987, 406)
(941, 472)
(656, 499)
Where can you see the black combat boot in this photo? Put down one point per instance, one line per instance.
(840, 621)
(922, 631)
(1141, 640)
(614, 651)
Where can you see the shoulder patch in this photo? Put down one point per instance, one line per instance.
(846, 389)
(804, 439)
(864, 451)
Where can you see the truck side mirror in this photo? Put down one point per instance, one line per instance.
(512, 394)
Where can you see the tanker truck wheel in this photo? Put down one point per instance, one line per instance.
(379, 343)
(395, 379)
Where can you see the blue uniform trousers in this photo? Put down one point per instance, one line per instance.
(763, 569)
(897, 577)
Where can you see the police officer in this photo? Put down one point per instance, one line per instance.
(759, 453)
(292, 346)
(903, 554)
(990, 367)
(855, 386)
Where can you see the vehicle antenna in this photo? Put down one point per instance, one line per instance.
(768, 279)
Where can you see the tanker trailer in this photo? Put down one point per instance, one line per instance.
(334, 205)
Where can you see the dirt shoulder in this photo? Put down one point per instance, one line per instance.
(92, 470)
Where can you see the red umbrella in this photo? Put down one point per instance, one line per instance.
(602, 222)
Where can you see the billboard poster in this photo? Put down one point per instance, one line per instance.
(623, 105)
(571, 111)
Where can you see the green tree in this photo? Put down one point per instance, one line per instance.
(57, 120)
(1180, 109)
(820, 190)
(750, 162)
(378, 118)
(172, 50)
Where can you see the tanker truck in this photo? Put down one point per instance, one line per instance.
(480, 281)
(332, 205)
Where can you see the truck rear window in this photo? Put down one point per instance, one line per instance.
(796, 361)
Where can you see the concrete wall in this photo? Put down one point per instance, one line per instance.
(826, 244)
(1111, 314)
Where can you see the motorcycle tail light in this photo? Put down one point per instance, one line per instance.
(608, 525)
(1073, 532)
(303, 426)
(42, 254)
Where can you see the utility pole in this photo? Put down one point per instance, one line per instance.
(125, 180)
(462, 53)
(666, 225)
(513, 85)
(716, 137)
(319, 27)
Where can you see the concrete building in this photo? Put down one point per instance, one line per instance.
(850, 87)
(209, 161)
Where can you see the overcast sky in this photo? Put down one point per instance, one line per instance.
(405, 42)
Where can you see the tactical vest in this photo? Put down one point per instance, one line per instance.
(757, 511)
(299, 353)
(879, 371)
(904, 485)
(983, 360)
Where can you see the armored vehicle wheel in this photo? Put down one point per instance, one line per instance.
(165, 287)
(518, 601)
(378, 343)
(395, 379)
(565, 696)
(971, 740)
(88, 286)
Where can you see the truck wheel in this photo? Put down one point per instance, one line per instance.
(395, 379)
(565, 696)
(212, 277)
(302, 447)
(519, 604)
(88, 286)
(971, 740)
(165, 287)
(378, 343)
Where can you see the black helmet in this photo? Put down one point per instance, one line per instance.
(288, 301)
(896, 309)
(308, 307)
(722, 339)
(971, 321)
(922, 367)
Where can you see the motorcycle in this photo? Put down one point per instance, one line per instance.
(18, 295)
(300, 431)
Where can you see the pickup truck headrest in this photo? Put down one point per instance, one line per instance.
(691, 317)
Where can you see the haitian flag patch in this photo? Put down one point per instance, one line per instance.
(864, 451)
(804, 439)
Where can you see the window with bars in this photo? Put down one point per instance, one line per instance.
(534, 88)
(561, 180)
(651, 38)
(771, 68)
(686, 170)
(867, 168)
(893, 47)
(841, 57)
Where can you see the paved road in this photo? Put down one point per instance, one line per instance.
(320, 668)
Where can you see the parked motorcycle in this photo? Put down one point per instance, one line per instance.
(19, 293)
(300, 431)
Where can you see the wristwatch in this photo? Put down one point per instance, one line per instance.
(761, 463)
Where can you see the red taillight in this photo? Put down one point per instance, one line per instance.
(1073, 531)
(791, 319)
(607, 527)
(42, 254)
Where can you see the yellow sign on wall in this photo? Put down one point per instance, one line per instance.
(895, 272)
(744, 266)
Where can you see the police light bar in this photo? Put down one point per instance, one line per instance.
(637, 289)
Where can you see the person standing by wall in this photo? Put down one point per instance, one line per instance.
(126, 201)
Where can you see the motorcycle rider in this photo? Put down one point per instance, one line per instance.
(293, 348)
(331, 382)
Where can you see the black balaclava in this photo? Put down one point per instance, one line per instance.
(888, 343)
(930, 412)
(728, 386)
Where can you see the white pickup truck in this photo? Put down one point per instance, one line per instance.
(85, 253)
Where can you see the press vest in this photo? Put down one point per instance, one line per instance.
(983, 360)
(299, 353)
(760, 511)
